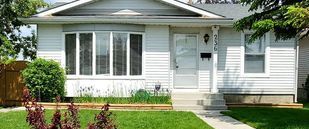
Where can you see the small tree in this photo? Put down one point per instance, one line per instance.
(286, 18)
(45, 79)
(11, 41)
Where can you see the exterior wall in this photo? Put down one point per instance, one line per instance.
(281, 78)
(303, 66)
(159, 67)
(144, 7)
(204, 66)
(157, 57)
(50, 42)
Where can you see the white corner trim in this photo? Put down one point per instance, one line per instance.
(61, 8)
(193, 9)
(215, 40)
(172, 2)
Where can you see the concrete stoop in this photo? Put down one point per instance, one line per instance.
(198, 101)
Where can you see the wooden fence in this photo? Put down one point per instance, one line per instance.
(11, 83)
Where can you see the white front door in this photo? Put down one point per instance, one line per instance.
(185, 61)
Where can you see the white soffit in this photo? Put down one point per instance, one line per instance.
(76, 3)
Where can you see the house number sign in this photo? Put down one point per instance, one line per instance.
(215, 42)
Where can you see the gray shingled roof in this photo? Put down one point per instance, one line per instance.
(235, 11)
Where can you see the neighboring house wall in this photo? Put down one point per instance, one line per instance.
(303, 66)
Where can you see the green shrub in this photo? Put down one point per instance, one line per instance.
(141, 96)
(45, 79)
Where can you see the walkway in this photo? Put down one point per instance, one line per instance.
(12, 109)
(220, 121)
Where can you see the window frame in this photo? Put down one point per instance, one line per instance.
(103, 76)
(266, 42)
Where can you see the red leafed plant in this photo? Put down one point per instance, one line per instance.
(35, 116)
(104, 120)
(71, 118)
(36, 120)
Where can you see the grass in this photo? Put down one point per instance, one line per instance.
(272, 118)
(124, 100)
(125, 119)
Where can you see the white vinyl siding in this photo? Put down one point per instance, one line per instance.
(157, 56)
(158, 66)
(303, 62)
(303, 67)
(50, 42)
(281, 67)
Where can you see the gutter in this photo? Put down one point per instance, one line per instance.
(131, 20)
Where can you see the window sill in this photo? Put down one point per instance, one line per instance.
(255, 75)
(98, 77)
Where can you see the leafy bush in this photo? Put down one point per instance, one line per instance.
(45, 79)
(141, 96)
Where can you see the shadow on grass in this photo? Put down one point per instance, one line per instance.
(272, 118)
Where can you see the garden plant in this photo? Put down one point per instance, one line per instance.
(70, 120)
(45, 79)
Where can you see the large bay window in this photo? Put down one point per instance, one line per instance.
(120, 53)
(70, 55)
(136, 51)
(104, 53)
(85, 53)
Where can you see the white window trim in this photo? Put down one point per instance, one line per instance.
(106, 76)
(242, 56)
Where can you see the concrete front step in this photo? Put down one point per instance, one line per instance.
(204, 102)
(198, 101)
(199, 107)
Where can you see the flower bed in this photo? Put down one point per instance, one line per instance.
(112, 106)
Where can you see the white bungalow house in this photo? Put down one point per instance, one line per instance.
(115, 46)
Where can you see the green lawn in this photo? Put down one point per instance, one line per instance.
(125, 120)
(272, 118)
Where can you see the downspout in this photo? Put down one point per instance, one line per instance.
(296, 68)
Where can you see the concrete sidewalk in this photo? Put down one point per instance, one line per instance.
(12, 109)
(219, 121)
